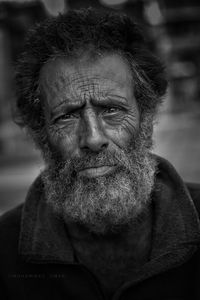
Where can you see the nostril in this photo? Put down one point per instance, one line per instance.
(94, 144)
(104, 146)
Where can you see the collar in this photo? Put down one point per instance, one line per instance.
(176, 229)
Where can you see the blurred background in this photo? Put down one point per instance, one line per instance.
(173, 31)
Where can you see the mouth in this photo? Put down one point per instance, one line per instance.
(96, 171)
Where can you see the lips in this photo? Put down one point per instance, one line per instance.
(93, 172)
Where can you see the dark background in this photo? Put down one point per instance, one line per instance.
(173, 31)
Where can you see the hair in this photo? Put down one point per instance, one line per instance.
(68, 34)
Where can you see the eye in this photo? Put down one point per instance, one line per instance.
(65, 117)
(111, 110)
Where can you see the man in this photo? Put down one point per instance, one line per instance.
(106, 219)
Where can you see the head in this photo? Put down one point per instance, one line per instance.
(88, 92)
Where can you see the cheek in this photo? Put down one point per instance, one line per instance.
(119, 136)
(64, 142)
(122, 134)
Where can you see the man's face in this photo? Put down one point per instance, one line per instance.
(90, 106)
(92, 123)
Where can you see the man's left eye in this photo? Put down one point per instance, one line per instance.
(111, 110)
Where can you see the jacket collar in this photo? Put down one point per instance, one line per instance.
(176, 229)
(176, 221)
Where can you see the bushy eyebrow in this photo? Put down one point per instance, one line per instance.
(67, 103)
(110, 100)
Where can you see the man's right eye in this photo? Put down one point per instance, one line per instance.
(65, 117)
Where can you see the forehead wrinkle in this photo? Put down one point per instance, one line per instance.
(85, 87)
(71, 81)
(63, 81)
(95, 79)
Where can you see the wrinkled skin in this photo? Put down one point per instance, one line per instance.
(89, 105)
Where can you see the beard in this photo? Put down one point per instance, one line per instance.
(109, 203)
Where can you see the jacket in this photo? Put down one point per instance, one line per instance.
(37, 259)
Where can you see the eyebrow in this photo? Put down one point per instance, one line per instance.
(68, 103)
(110, 100)
(112, 97)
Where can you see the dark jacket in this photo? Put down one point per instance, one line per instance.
(37, 259)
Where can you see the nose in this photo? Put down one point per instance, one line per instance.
(93, 137)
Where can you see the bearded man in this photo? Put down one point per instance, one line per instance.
(106, 219)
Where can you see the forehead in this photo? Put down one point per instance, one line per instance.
(62, 76)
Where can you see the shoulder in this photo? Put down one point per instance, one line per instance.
(10, 229)
(10, 222)
(11, 218)
(194, 190)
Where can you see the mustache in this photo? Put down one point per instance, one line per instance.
(101, 159)
(119, 158)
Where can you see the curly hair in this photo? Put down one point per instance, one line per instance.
(105, 31)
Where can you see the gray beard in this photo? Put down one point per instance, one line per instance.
(104, 204)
